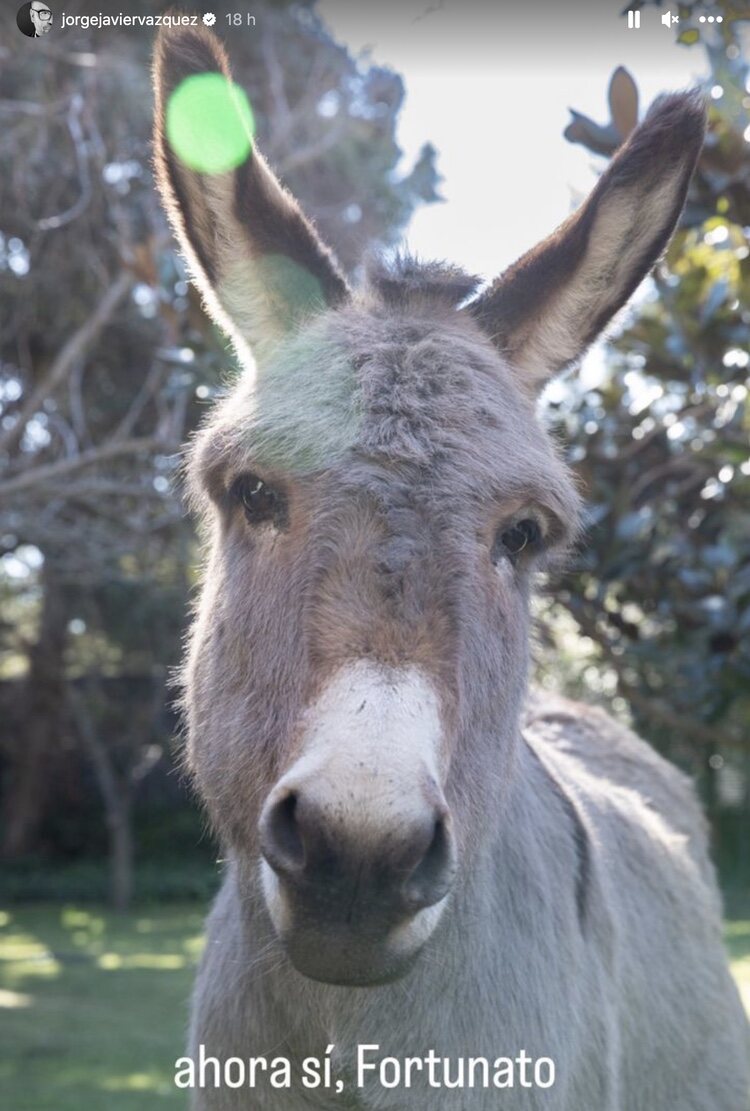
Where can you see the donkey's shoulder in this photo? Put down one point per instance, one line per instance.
(602, 749)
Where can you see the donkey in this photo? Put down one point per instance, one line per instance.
(422, 857)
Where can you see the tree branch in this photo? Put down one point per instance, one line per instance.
(63, 468)
(75, 348)
(706, 735)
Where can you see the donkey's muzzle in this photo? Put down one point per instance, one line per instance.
(352, 882)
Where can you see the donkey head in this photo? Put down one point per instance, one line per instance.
(378, 494)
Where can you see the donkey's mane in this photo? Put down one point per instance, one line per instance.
(409, 282)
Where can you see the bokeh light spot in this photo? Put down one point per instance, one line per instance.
(210, 124)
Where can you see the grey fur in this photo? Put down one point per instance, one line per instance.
(586, 926)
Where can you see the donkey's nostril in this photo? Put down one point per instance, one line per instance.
(433, 876)
(386, 867)
(280, 836)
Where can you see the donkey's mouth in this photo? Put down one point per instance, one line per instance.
(346, 962)
(348, 959)
(374, 945)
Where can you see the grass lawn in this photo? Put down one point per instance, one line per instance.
(93, 1007)
(738, 943)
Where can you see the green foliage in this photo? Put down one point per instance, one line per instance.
(87, 881)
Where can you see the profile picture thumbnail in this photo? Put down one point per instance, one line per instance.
(34, 19)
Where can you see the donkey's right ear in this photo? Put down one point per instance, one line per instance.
(252, 253)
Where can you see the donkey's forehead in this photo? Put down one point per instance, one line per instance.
(303, 408)
(404, 389)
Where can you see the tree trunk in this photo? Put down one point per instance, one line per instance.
(116, 795)
(121, 856)
(36, 752)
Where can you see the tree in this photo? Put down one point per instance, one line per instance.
(661, 588)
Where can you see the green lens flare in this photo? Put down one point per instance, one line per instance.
(294, 290)
(210, 124)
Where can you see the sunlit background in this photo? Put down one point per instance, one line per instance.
(436, 124)
(492, 89)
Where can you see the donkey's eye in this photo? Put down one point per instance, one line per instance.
(262, 503)
(511, 541)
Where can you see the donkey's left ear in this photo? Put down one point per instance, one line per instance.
(546, 309)
(256, 259)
